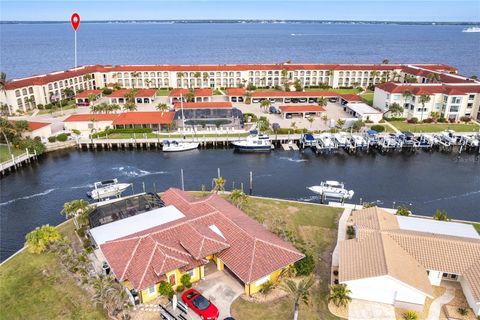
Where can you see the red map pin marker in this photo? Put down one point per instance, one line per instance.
(75, 19)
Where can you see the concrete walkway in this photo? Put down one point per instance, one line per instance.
(392, 126)
(436, 306)
(367, 310)
(342, 230)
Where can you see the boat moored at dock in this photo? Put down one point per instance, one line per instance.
(107, 189)
(332, 189)
(175, 146)
(255, 142)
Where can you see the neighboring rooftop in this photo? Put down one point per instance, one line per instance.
(448, 228)
(362, 108)
(203, 105)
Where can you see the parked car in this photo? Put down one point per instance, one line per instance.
(333, 100)
(200, 305)
(234, 99)
(273, 109)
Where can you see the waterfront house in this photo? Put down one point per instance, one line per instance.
(452, 101)
(26, 93)
(301, 110)
(89, 123)
(156, 120)
(81, 99)
(363, 112)
(208, 114)
(180, 234)
(396, 260)
(43, 130)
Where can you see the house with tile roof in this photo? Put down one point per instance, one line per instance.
(183, 237)
(396, 260)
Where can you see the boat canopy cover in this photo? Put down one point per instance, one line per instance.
(372, 132)
(408, 134)
(309, 137)
(253, 132)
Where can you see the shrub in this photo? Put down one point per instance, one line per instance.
(32, 145)
(350, 232)
(410, 315)
(52, 139)
(128, 130)
(442, 120)
(186, 280)
(180, 289)
(75, 131)
(378, 127)
(428, 120)
(40, 106)
(403, 211)
(381, 121)
(267, 287)
(462, 311)
(48, 106)
(62, 137)
(412, 120)
(251, 87)
(440, 216)
(107, 91)
(165, 289)
(465, 119)
(40, 239)
(305, 266)
(396, 119)
(369, 204)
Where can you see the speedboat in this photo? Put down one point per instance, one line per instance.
(255, 142)
(332, 189)
(471, 29)
(175, 146)
(107, 189)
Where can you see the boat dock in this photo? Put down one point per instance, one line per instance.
(16, 162)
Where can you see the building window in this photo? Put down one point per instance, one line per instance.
(456, 100)
(17, 93)
(454, 108)
(471, 97)
(152, 290)
(191, 273)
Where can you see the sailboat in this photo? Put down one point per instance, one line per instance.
(177, 146)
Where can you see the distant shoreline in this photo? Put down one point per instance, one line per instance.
(268, 21)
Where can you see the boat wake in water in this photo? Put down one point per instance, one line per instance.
(133, 172)
(293, 160)
(466, 194)
(27, 197)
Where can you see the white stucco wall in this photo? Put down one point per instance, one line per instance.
(435, 277)
(379, 99)
(468, 294)
(83, 126)
(384, 289)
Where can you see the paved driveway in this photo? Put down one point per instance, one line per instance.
(221, 289)
(367, 310)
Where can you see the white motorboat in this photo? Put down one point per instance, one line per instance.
(175, 146)
(326, 141)
(471, 29)
(332, 189)
(254, 143)
(341, 139)
(107, 189)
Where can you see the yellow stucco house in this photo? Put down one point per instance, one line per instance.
(179, 234)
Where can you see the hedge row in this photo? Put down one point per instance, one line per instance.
(128, 130)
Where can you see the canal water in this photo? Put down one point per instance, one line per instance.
(424, 181)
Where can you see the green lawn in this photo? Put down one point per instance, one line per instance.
(34, 286)
(368, 98)
(435, 127)
(163, 92)
(5, 156)
(477, 227)
(53, 110)
(314, 224)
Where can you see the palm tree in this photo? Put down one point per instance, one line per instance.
(284, 77)
(440, 216)
(219, 184)
(339, 295)
(340, 123)
(74, 209)
(374, 74)
(293, 125)
(130, 95)
(238, 198)
(325, 119)
(265, 104)
(130, 106)
(162, 107)
(424, 98)
(299, 292)
(31, 102)
(385, 61)
(410, 315)
(3, 81)
(197, 75)
(68, 92)
(91, 98)
(135, 75)
(114, 107)
(322, 101)
(93, 120)
(180, 75)
(432, 77)
(7, 129)
(310, 119)
(205, 78)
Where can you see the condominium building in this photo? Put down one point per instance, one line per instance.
(26, 93)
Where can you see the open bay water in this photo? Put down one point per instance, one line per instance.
(34, 195)
(28, 49)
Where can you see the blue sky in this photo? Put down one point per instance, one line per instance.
(399, 10)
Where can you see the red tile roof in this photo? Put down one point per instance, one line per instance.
(178, 91)
(204, 105)
(419, 89)
(351, 97)
(141, 93)
(32, 126)
(236, 91)
(302, 108)
(144, 117)
(90, 116)
(312, 94)
(86, 93)
(53, 76)
(245, 246)
(203, 92)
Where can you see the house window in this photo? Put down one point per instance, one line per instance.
(471, 97)
(191, 273)
(172, 279)
(454, 108)
(456, 100)
(152, 290)
(261, 281)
